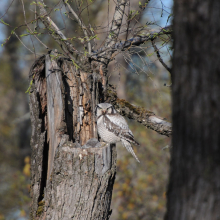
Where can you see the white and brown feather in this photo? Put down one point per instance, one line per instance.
(112, 127)
(116, 124)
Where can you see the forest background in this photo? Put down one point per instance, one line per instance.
(139, 189)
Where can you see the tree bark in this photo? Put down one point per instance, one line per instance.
(194, 187)
(72, 173)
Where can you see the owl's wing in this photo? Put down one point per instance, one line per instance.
(116, 124)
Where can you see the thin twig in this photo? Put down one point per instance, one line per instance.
(30, 28)
(159, 57)
(58, 36)
(137, 19)
(81, 24)
(24, 44)
(6, 11)
(128, 21)
(135, 41)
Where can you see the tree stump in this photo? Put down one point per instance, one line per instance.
(72, 173)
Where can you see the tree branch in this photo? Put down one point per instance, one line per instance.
(139, 114)
(30, 30)
(81, 24)
(159, 57)
(57, 35)
(116, 23)
(135, 41)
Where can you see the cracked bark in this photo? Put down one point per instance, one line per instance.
(71, 178)
(139, 114)
(72, 173)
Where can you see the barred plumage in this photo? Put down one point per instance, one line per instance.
(112, 127)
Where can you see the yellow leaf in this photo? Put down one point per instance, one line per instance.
(26, 169)
(27, 159)
(22, 213)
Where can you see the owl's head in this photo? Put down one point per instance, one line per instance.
(104, 108)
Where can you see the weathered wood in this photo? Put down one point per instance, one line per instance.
(39, 147)
(63, 100)
(77, 188)
(72, 178)
(79, 97)
(72, 173)
(55, 108)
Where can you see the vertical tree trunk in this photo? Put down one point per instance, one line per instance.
(194, 188)
(72, 173)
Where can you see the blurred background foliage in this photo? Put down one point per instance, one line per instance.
(139, 190)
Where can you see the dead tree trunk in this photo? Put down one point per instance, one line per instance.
(194, 188)
(72, 178)
(72, 173)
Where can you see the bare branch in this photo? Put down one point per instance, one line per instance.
(81, 24)
(55, 32)
(135, 41)
(139, 114)
(159, 57)
(135, 17)
(30, 28)
(116, 23)
(23, 43)
(6, 11)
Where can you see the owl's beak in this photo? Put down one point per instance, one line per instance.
(103, 112)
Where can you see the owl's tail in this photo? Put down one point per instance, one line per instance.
(128, 146)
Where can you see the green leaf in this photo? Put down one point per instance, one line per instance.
(4, 22)
(93, 37)
(170, 15)
(29, 88)
(23, 35)
(77, 67)
(81, 39)
(33, 3)
(5, 41)
(149, 55)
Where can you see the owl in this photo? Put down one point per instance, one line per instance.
(113, 128)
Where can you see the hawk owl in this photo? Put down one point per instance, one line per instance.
(112, 127)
